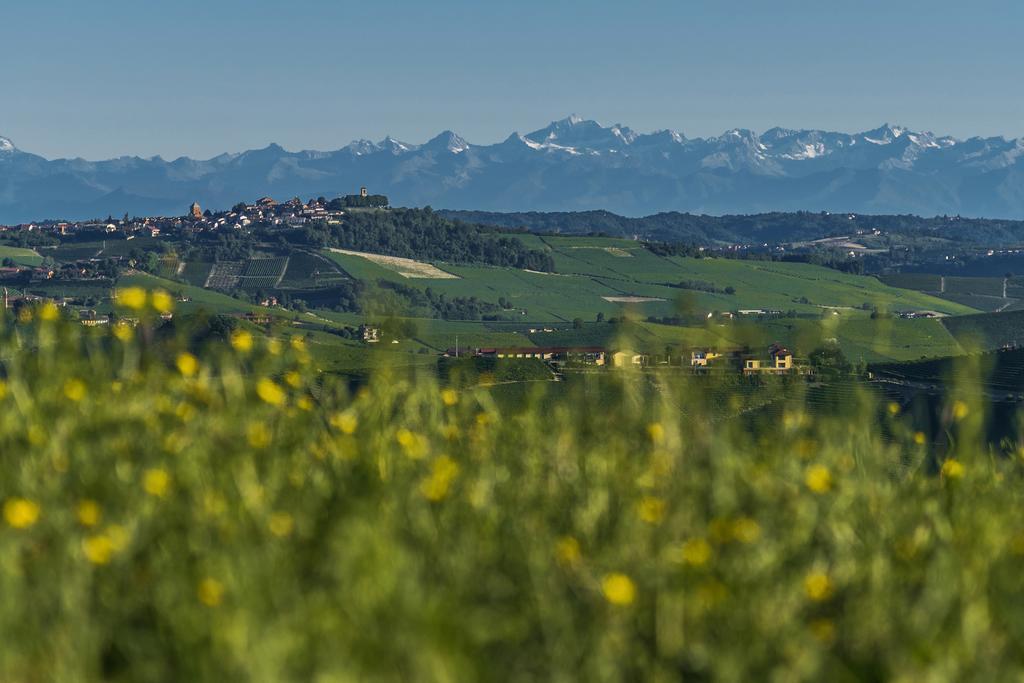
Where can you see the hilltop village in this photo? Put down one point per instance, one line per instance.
(264, 212)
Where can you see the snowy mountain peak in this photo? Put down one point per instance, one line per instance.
(6, 145)
(448, 141)
(884, 134)
(390, 144)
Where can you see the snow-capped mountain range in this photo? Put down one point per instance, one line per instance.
(572, 164)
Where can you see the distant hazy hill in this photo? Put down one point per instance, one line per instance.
(759, 228)
(570, 165)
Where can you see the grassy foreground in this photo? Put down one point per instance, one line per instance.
(222, 513)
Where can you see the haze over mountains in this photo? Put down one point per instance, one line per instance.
(572, 164)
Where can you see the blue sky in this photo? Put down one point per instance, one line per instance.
(112, 77)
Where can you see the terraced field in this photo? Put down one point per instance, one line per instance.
(988, 331)
(994, 294)
(306, 270)
(262, 273)
(225, 275)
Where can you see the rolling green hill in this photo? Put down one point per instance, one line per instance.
(591, 273)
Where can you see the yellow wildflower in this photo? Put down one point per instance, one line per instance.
(268, 390)
(241, 341)
(298, 343)
(48, 311)
(346, 422)
(919, 438)
(818, 479)
(294, 379)
(74, 389)
(618, 589)
(305, 403)
(651, 509)
(124, 332)
(88, 513)
(98, 548)
(210, 592)
(952, 469)
(132, 297)
(449, 397)
(25, 315)
(188, 365)
(20, 513)
(567, 551)
(156, 482)
(281, 524)
(894, 408)
(656, 432)
(696, 552)
(162, 301)
(818, 586)
(413, 444)
(960, 410)
(436, 485)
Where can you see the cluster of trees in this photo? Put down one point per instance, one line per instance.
(426, 235)
(355, 201)
(441, 305)
(220, 246)
(29, 240)
(703, 286)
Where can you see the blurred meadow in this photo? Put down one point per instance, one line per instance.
(185, 507)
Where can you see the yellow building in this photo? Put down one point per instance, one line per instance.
(780, 362)
(701, 359)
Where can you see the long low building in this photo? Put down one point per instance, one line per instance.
(588, 355)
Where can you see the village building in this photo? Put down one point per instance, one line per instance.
(369, 333)
(582, 355)
(701, 358)
(779, 362)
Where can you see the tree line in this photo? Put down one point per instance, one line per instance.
(424, 235)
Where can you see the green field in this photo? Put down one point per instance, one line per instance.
(21, 256)
(988, 331)
(981, 293)
(307, 270)
(591, 268)
(214, 302)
